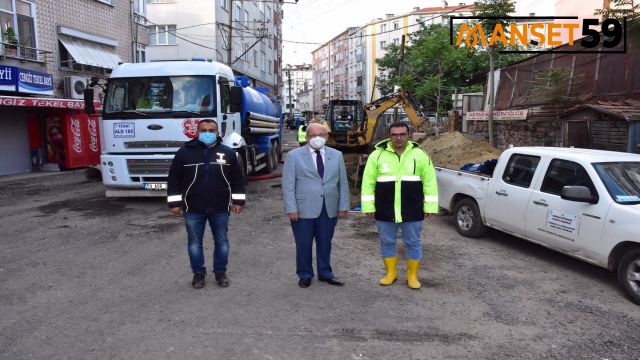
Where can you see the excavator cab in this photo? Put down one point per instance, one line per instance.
(346, 119)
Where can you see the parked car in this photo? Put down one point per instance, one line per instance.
(583, 203)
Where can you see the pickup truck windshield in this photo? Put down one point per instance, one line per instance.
(622, 180)
(168, 96)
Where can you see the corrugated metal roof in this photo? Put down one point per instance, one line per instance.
(627, 109)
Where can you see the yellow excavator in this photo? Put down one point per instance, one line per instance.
(360, 135)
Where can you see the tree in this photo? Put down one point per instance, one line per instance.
(496, 11)
(620, 9)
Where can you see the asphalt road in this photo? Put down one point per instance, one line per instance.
(84, 277)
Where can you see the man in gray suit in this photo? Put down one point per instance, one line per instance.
(316, 195)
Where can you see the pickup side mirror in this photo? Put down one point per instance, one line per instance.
(579, 194)
(88, 101)
(235, 99)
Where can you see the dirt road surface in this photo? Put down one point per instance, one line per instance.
(84, 277)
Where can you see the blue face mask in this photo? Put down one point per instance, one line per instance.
(207, 138)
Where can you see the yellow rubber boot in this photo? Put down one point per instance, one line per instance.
(391, 263)
(412, 273)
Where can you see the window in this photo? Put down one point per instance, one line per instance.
(161, 1)
(263, 59)
(520, 170)
(110, 2)
(162, 35)
(270, 67)
(246, 52)
(224, 95)
(22, 25)
(141, 53)
(396, 41)
(255, 58)
(140, 7)
(622, 180)
(383, 44)
(563, 173)
(224, 4)
(396, 25)
(237, 12)
(383, 27)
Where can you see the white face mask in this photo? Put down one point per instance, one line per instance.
(317, 142)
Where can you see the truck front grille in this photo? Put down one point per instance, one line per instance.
(152, 144)
(148, 166)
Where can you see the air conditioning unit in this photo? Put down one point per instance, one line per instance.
(74, 87)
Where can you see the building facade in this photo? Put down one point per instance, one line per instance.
(331, 71)
(246, 35)
(297, 79)
(50, 50)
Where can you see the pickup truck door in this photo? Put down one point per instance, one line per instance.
(571, 226)
(508, 195)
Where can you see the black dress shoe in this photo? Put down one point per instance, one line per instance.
(333, 281)
(304, 283)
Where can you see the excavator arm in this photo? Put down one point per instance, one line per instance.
(379, 106)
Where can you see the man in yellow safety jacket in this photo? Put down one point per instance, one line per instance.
(399, 189)
(302, 134)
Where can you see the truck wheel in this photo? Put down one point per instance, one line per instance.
(468, 221)
(272, 158)
(242, 161)
(629, 274)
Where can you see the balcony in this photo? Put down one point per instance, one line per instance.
(25, 53)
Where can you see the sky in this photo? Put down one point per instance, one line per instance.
(318, 21)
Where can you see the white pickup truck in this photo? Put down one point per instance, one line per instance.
(584, 203)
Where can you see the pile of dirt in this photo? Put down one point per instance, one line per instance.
(453, 149)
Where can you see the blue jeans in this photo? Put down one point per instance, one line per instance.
(410, 236)
(195, 223)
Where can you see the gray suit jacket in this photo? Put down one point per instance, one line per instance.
(303, 189)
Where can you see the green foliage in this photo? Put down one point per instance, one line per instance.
(10, 36)
(433, 68)
(551, 86)
(620, 9)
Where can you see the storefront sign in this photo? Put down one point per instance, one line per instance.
(45, 103)
(34, 82)
(8, 78)
(25, 81)
(498, 115)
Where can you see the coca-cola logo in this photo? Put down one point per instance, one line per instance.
(93, 135)
(190, 128)
(77, 136)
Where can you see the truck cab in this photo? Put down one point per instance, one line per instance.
(152, 109)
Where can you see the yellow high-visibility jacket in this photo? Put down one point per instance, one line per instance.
(302, 133)
(399, 188)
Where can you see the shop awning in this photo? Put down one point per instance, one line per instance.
(86, 53)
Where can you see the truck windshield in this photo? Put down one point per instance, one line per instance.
(622, 180)
(168, 96)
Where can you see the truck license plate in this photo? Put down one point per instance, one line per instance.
(155, 186)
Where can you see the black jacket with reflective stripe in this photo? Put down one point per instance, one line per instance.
(197, 183)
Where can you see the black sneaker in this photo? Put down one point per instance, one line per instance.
(222, 279)
(198, 280)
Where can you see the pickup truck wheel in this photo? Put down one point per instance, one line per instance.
(629, 274)
(468, 221)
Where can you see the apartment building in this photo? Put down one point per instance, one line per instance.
(246, 35)
(331, 71)
(378, 34)
(50, 49)
(297, 79)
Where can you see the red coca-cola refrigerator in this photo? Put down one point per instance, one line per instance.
(73, 138)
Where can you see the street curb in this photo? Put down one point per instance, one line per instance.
(52, 177)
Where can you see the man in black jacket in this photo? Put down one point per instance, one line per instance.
(205, 183)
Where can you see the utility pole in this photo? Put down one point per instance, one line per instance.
(290, 105)
(229, 56)
(491, 99)
(400, 71)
